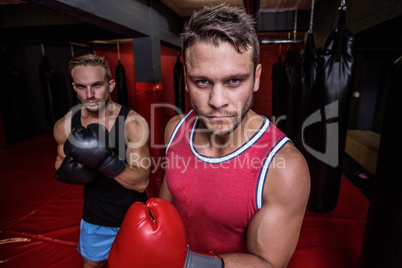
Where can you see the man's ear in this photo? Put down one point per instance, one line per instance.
(74, 87)
(112, 85)
(257, 77)
(185, 77)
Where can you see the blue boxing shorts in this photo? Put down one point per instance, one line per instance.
(95, 241)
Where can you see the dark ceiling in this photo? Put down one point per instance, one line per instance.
(80, 33)
(28, 22)
(386, 35)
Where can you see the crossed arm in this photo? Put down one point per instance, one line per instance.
(135, 176)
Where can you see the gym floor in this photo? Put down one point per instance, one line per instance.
(39, 216)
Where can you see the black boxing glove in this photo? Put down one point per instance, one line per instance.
(90, 146)
(73, 172)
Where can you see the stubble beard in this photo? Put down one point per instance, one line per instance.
(220, 130)
(98, 108)
(101, 105)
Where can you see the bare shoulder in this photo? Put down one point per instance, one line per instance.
(62, 128)
(135, 119)
(136, 127)
(171, 125)
(288, 175)
(292, 159)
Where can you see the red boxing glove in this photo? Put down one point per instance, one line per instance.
(153, 235)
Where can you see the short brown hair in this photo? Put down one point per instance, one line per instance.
(222, 23)
(92, 60)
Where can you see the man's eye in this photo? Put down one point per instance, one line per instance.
(234, 81)
(97, 85)
(202, 83)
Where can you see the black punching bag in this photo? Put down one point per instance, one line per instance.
(290, 88)
(277, 70)
(382, 241)
(48, 81)
(178, 73)
(327, 125)
(13, 107)
(304, 95)
(283, 88)
(121, 84)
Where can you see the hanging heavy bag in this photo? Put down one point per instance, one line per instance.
(283, 89)
(382, 243)
(276, 70)
(178, 73)
(326, 127)
(304, 95)
(13, 103)
(48, 81)
(121, 84)
(292, 87)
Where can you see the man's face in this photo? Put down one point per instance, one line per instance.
(92, 87)
(221, 83)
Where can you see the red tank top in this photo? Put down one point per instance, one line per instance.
(218, 196)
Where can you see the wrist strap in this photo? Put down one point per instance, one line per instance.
(196, 260)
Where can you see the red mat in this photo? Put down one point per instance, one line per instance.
(333, 240)
(39, 216)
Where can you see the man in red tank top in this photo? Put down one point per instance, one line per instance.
(239, 186)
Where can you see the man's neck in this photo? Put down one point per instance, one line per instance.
(213, 145)
(106, 116)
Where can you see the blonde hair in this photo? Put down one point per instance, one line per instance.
(92, 60)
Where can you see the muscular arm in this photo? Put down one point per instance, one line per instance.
(164, 191)
(60, 132)
(274, 231)
(136, 174)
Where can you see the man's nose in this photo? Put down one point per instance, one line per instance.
(90, 92)
(218, 97)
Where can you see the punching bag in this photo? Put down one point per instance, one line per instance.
(382, 240)
(304, 95)
(292, 89)
(13, 106)
(277, 72)
(282, 81)
(121, 84)
(281, 91)
(327, 125)
(48, 81)
(178, 73)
